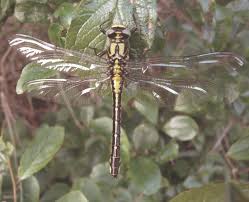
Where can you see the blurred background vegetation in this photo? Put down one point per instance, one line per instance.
(51, 152)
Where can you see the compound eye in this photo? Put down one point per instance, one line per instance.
(126, 33)
(110, 32)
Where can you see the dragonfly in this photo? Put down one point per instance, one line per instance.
(115, 73)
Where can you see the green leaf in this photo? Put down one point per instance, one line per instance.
(65, 12)
(240, 149)
(101, 175)
(147, 107)
(145, 175)
(86, 114)
(55, 191)
(31, 72)
(30, 190)
(5, 5)
(73, 196)
(6, 149)
(47, 142)
(169, 152)
(125, 148)
(89, 188)
(146, 13)
(84, 31)
(187, 103)
(215, 192)
(31, 12)
(222, 13)
(145, 137)
(183, 128)
(103, 126)
(123, 195)
(54, 33)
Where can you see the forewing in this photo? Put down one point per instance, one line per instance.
(59, 59)
(197, 78)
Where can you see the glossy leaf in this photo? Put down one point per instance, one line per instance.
(145, 137)
(169, 152)
(54, 192)
(145, 175)
(47, 142)
(31, 72)
(240, 149)
(86, 114)
(101, 174)
(214, 192)
(90, 189)
(84, 31)
(187, 104)
(73, 196)
(54, 33)
(65, 12)
(123, 195)
(30, 190)
(181, 127)
(103, 126)
(146, 17)
(147, 107)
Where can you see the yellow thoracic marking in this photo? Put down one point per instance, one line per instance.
(112, 48)
(121, 49)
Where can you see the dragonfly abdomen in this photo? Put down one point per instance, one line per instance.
(117, 85)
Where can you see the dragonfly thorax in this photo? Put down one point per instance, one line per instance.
(118, 49)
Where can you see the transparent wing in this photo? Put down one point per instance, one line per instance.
(52, 57)
(75, 91)
(197, 62)
(197, 77)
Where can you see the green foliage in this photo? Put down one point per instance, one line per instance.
(215, 192)
(31, 190)
(181, 127)
(31, 72)
(47, 142)
(240, 149)
(145, 176)
(5, 7)
(73, 196)
(163, 151)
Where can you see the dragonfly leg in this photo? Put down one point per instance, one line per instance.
(101, 27)
(100, 54)
(134, 29)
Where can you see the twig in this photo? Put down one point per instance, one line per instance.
(12, 176)
(71, 111)
(224, 134)
(233, 168)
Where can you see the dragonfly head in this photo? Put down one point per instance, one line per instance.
(118, 31)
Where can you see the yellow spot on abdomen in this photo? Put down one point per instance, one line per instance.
(117, 77)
